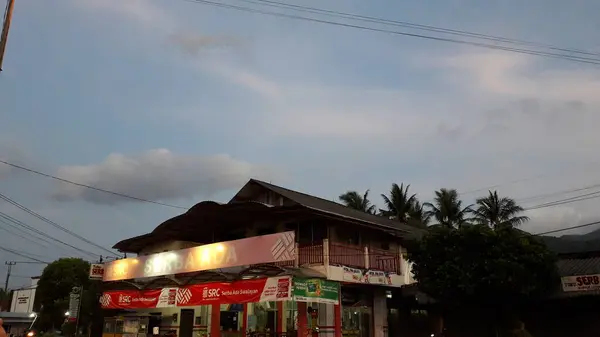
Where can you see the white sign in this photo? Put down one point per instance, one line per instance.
(581, 283)
(74, 300)
(22, 300)
(96, 271)
(367, 276)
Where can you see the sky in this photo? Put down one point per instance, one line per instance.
(178, 101)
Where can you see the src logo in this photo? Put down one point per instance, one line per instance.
(210, 293)
(124, 299)
(587, 280)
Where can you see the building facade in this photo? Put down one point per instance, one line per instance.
(342, 267)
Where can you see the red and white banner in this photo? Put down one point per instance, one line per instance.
(246, 291)
(254, 250)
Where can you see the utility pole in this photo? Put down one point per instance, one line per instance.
(9, 264)
(10, 5)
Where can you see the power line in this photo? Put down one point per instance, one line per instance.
(568, 228)
(563, 201)
(551, 194)
(54, 224)
(23, 255)
(579, 59)
(411, 25)
(88, 186)
(35, 230)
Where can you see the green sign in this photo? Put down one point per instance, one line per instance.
(316, 290)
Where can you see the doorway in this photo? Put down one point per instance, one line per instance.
(186, 323)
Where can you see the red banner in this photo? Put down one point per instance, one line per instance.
(246, 291)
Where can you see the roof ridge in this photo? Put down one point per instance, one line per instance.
(306, 194)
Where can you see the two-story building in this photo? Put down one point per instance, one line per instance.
(271, 261)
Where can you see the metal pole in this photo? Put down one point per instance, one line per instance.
(9, 264)
(10, 4)
(78, 310)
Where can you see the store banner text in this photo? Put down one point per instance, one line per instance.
(245, 291)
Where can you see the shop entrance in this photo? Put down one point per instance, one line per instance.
(186, 323)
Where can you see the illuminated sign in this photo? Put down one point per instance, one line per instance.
(581, 283)
(255, 250)
(96, 271)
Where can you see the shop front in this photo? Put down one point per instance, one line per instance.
(249, 298)
(274, 306)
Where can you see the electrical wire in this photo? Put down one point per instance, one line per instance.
(23, 255)
(568, 228)
(579, 59)
(404, 24)
(54, 224)
(35, 230)
(88, 186)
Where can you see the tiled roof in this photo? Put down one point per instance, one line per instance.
(334, 208)
(578, 266)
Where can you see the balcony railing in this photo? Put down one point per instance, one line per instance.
(347, 255)
(342, 254)
(384, 260)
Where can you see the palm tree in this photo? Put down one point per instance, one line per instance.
(399, 203)
(418, 216)
(359, 202)
(447, 208)
(498, 212)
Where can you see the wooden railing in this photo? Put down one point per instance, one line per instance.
(346, 255)
(384, 260)
(343, 254)
(310, 254)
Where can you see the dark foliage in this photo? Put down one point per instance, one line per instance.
(479, 266)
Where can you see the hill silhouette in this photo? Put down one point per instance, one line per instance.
(575, 243)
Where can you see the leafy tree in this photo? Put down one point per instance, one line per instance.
(417, 216)
(53, 290)
(359, 202)
(399, 203)
(479, 267)
(447, 209)
(5, 298)
(498, 212)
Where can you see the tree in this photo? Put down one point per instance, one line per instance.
(447, 208)
(498, 212)
(5, 298)
(417, 216)
(54, 288)
(359, 202)
(479, 267)
(399, 203)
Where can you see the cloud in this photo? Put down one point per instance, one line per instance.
(466, 118)
(193, 43)
(11, 151)
(157, 175)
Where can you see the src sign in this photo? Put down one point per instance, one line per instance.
(581, 283)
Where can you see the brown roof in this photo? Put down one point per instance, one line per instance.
(181, 227)
(336, 209)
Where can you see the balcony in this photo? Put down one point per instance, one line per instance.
(341, 254)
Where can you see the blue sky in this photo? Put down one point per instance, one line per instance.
(179, 102)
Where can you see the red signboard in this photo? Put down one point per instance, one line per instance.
(254, 250)
(260, 290)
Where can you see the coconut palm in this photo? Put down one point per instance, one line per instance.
(417, 216)
(399, 203)
(447, 209)
(496, 212)
(359, 202)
